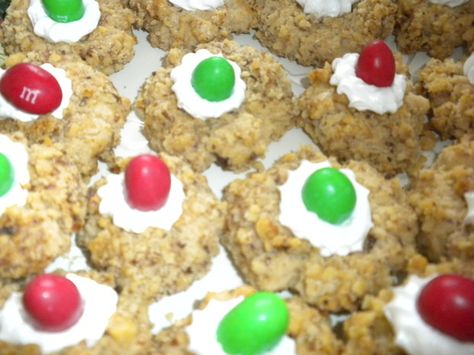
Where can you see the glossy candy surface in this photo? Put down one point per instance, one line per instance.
(6, 174)
(213, 79)
(330, 194)
(64, 11)
(447, 304)
(31, 89)
(52, 302)
(147, 183)
(254, 325)
(376, 65)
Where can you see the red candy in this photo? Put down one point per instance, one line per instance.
(30, 88)
(447, 304)
(376, 65)
(147, 183)
(53, 302)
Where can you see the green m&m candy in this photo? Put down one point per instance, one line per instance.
(254, 325)
(330, 194)
(213, 79)
(64, 10)
(6, 174)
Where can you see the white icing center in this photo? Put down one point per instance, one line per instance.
(194, 5)
(469, 196)
(113, 203)
(203, 330)
(7, 110)
(100, 303)
(18, 156)
(132, 140)
(330, 239)
(190, 101)
(412, 333)
(363, 96)
(333, 8)
(69, 32)
(450, 3)
(469, 68)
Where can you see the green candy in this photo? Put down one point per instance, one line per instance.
(330, 194)
(6, 175)
(64, 11)
(213, 79)
(254, 325)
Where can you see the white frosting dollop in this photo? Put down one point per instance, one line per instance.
(469, 197)
(113, 203)
(333, 8)
(18, 156)
(468, 68)
(412, 333)
(330, 239)
(132, 140)
(190, 101)
(202, 331)
(100, 303)
(361, 95)
(450, 3)
(195, 5)
(69, 32)
(7, 110)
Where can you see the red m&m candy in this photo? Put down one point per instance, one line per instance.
(31, 89)
(53, 302)
(376, 65)
(147, 183)
(447, 304)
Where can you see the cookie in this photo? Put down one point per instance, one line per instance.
(42, 204)
(108, 46)
(152, 251)
(185, 24)
(88, 120)
(351, 119)
(424, 25)
(286, 29)
(203, 132)
(450, 93)
(330, 265)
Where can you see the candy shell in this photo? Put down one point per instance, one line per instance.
(31, 89)
(447, 304)
(52, 302)
(6, 175)
(255, 325)
(376, 65)
(64, 11)
(213, 79)
(330, 194)
(147, 183)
